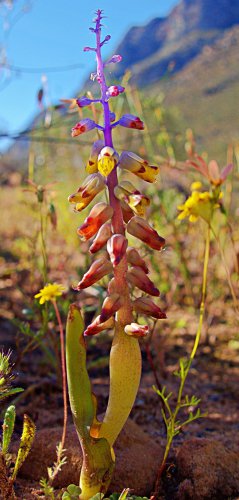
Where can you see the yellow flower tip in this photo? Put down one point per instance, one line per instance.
(196, 186)
(181, 216)
(193, 218)
(49, 292)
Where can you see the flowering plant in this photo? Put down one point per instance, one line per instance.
(108, 223)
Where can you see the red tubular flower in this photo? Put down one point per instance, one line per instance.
(116, 248)
(92, 185)
(137, 331)
(143, 231)
(98, 326)
(83, 126)
(135, 259)
(137, 277)
(144, 305)
(98, 269)
(101, 238)
(98, 215)
(131, 121)
(111, 304)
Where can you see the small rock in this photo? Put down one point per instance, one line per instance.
(138, 458)
(208, 470)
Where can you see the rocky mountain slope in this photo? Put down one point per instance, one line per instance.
(170, 43)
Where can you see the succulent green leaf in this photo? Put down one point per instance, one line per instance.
(27, 437)
(8, 427)
(72, 493)
(124, 494)
(79, 385)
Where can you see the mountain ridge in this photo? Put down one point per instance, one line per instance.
(172, 42)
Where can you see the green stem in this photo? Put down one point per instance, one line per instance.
(173, 416)
(233, 293)
(43, 245)
(63, 368)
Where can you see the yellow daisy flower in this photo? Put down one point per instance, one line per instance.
(198, 205)
(49, 292)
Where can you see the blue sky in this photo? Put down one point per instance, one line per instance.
(52, 34)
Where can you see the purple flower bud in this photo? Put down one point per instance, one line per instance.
(131, 121)
(88, 49)
(116, 248)
(112, 117)
(114, 59)
(114, 90)
(83, 126)
(83, 101)
(107, 38)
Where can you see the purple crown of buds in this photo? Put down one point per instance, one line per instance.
(109, 223)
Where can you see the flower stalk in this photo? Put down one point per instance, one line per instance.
(107, 223)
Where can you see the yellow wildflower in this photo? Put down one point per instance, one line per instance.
(196, 186)
(49, 292)
(198, 205)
